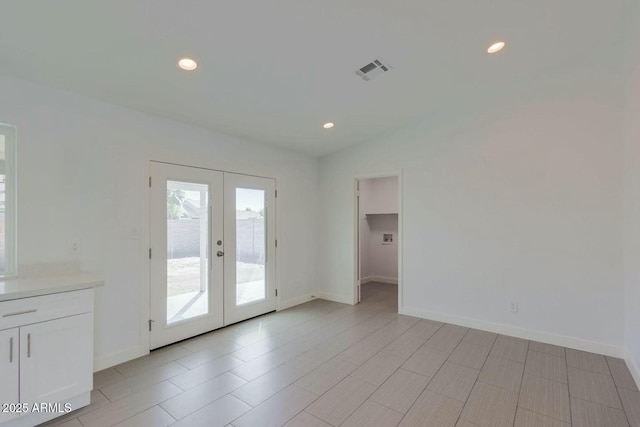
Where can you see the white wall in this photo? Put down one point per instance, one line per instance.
(379, 195)
(632, 212)
(383, 258)
(82, 168)
(515, 197)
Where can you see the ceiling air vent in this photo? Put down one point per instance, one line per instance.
(373, 69)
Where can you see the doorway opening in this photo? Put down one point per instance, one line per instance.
(378, 249)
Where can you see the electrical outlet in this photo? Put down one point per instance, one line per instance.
(134, 233)
(74, 247)
(513, 307)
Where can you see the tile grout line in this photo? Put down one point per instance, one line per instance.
(553, 381)
(396, 370)
(617, 391)
(430, 378)
(283, 332)
(521, 384)
(349, 375)
(296, 414)
(443, 363)
(148, 409)
(311, 349)
(476, 381)
(124, 377)
(359, 316)
(249, 404)
(598, 403)
(334, 357)
(566, 364)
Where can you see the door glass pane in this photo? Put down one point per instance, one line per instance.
(187, 250)
(250, 245)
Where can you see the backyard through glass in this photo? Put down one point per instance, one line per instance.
(187, 250)
(250, 245)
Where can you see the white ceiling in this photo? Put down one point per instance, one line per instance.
(274, 71)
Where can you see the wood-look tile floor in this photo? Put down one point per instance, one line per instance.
(329, 364)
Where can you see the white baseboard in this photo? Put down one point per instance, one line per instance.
(113, 359)
(291, 302)
(633, 367)
(345, 299)
(390, 280)
(515, 331)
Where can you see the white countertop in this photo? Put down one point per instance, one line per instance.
(17, 287)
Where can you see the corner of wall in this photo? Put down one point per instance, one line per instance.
(344, 299)
(633, 367)
(292, 302)
(632, 203)
(113, 359)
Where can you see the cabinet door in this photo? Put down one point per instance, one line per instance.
(9, 367)
(56, 359)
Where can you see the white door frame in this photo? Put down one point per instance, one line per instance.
(356, 232)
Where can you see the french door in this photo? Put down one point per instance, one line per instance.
(212, 250)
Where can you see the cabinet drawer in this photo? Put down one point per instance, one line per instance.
(26, 311)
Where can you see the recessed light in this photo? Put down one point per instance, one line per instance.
(187, 64)
(496, 47)
(328, 125)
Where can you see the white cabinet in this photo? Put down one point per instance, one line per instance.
(53, 359)
(9, 370)
(46, 355)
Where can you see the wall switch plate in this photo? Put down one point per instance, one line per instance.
(513, 307)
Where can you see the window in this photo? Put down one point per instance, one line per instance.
(7, 200)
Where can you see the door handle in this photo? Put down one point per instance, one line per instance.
(11, 350)
(220, 253)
